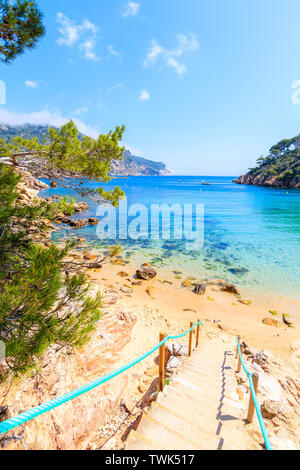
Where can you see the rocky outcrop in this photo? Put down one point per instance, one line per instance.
(30, 181)
(261, 179)
(279, 396)
(75, 424)
(29, 187)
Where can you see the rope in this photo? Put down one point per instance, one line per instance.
(22, 418)
(255, 401)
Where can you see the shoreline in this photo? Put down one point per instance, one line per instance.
(168, 298)
(217, 308)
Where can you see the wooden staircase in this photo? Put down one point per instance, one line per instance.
(198, 410)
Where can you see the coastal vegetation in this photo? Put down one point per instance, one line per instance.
(21, 28)
(45, 300)
(281, 168)
(64, 154)
(39, 304)
(129, 165)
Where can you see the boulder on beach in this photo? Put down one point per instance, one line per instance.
(230, 288)
(200, 289)
(146, 273)
(272, 322)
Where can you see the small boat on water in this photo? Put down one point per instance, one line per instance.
(205, 184)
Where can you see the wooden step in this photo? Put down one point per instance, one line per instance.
(161, 435)
(215, 389)
(225, 405)
(138, 442)
(203, 436)
(199, 409)
(206, 418)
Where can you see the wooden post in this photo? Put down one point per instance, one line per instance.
(251, 409)
(237, 349)
(162, 351)
(197, 337)
(191, 339)
(239, 362)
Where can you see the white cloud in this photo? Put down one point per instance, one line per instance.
(114, 52)
(186, 43)
(31, 84)
(88, 47)
(144, 95)
(180, 68)
(118, 86)
(44, 118)
(81, 111)
(34, 84)
(55, 119)
(131, 9)
(85, 34)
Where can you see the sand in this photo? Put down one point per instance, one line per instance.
(171, 302)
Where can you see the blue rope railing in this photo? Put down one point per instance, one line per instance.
(255, 401)
(12, 423)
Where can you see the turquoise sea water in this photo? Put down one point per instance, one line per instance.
(252, 234)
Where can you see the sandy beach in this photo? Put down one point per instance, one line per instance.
(217, 308)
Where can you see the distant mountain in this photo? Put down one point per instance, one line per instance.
(27, 132)
(131, 165)
(280, 169)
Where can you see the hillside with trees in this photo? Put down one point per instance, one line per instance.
(281, 168)
(129, 165)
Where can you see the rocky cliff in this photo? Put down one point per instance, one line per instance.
(137, 166)
(75, 424)
(262, 179)
(280, 169)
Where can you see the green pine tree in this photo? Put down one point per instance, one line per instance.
(65, 153)
(39, 304)
(21, 28)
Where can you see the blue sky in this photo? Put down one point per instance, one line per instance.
(203, 85)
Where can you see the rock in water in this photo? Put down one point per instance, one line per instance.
(93, 221)
(146, 273)
(200, 289)
(80, 223)
(81, 207)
